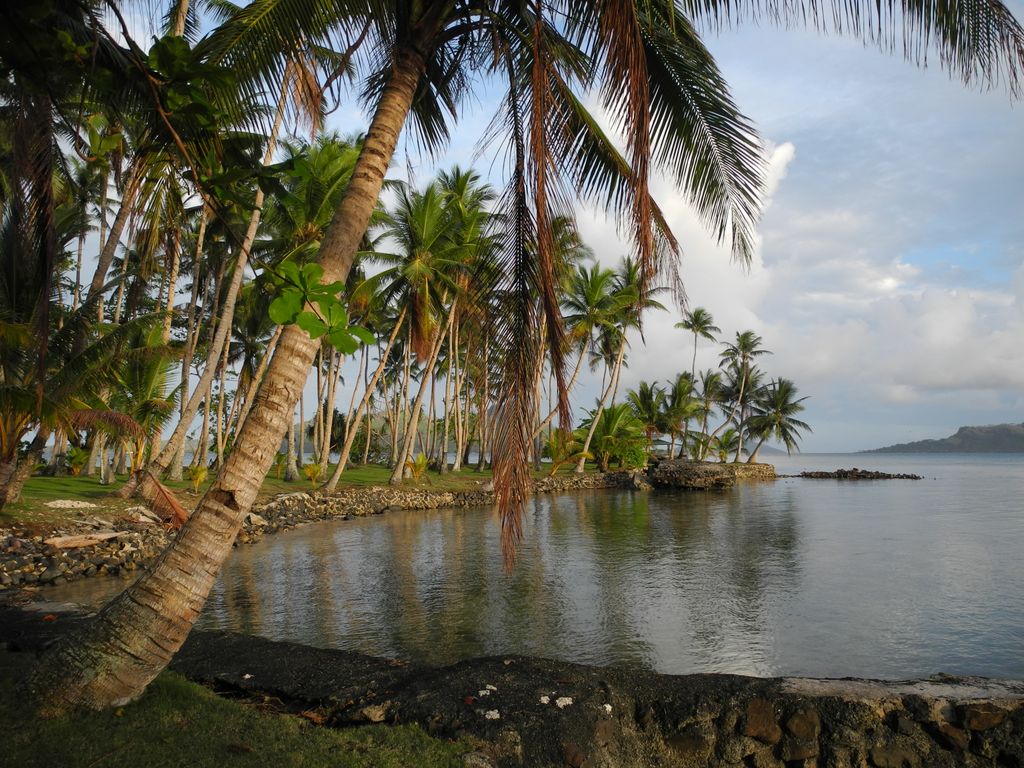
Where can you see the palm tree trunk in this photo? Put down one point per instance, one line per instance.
(223, 329)
(202, 452)
(612, 383)
(350, 436)
(334, 371)
(76, 294)
(398, 473)
(484, 402)
(172, 283)
(752, 459)
(447, 409)
(250, 392)
(10, 491)
(95, 452)
(572, 382)
(109, 248)
(191, 337)
(114, 657)
(302, 425)
(291, 466)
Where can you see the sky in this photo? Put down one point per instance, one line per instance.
(889, 276)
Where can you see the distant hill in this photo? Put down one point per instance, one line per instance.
(998, 438)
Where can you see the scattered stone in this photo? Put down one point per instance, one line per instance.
(70, 504)
(375, 713)
(477, 760)
(84, 540)
(563, 701)
(492, 714)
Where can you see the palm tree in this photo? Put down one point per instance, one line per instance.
(631, 297)
(700, 323)
(648, 404)
(563, 446)
(143, 392)
(739, 356)
(420, 59)
(774, 416)
(710, 396)
(725, 443)
(617, 435)
(680, 406)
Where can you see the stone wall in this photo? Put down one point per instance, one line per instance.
(699, 475)
(753, 471)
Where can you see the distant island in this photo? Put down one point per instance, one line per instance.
(998, 438)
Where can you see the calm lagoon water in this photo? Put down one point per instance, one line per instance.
(885, 579)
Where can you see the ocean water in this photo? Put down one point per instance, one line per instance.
(888, 579)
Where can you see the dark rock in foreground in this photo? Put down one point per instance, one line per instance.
(856, 474)
(530, 712)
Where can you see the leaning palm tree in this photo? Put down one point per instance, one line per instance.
(775, 409)
(417, 60)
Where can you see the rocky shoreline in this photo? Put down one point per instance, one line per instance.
(117, 542)
(525, 711)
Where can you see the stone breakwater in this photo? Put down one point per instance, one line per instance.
(857, 474)
(528, 712)
(129, 539)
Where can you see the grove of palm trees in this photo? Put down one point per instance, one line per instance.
(201, 279)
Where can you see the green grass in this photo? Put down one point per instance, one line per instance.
(32, 509)
(178, 723)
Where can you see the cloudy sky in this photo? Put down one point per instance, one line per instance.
(889, 282)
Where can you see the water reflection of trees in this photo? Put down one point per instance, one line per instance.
(680, 581)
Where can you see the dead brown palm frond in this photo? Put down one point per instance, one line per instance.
(164, 504)
(626, 94)
(546, 138)
(112, 422)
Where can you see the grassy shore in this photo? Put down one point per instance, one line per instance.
(178, 723)
(32, 511)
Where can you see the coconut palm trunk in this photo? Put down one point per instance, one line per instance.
(109, 250)
(18, 473)
(250, 392)
(157, 466)
(350, 435)
(412, 426)
(114, 657)
(612, 384)
(572, 383)
(172, 283)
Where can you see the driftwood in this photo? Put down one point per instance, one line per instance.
(82, 540)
